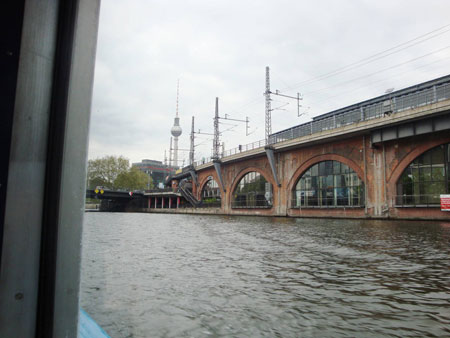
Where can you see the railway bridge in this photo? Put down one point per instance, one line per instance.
(111, 200)
(387, 157)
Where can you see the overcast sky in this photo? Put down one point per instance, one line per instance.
(221, 48)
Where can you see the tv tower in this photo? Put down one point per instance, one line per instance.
(176, 131)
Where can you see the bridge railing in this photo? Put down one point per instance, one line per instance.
(202, 161)
(245, 147)
(258, 202)
(217, 203)
(391, 105)
(159, 190)
(313, 202)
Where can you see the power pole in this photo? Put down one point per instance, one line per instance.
(191, 150)
(216, 142)
(268, 107)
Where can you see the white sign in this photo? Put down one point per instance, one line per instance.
(445, 202)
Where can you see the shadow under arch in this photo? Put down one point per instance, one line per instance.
(217, 198)
(205, 181)
(267, 176)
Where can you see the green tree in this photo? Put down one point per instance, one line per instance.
(133, 179)
(104, 171)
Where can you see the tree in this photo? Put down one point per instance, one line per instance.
(133, 179)
(104, 171)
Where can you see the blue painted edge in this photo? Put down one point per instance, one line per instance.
(88, 328)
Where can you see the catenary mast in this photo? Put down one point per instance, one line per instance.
(191, 150)
(268, 107)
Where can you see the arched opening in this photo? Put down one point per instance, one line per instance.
(425, 179)
(328, 184)
(252, 191)
(211, 197)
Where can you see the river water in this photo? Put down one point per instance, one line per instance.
(156, 275)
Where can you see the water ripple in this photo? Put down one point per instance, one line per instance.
(151, 275)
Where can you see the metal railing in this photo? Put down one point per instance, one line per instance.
(239, 149)
(391, 104)
(426, 201)
(205, 203)
(159, 190)
(251, 203)
(327, 202)
(202, 161)
(245, 147)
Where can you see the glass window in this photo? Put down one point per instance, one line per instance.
(425, 159)
(332, 184)
(211, 194)
(322, 169)
(425, 178)
(344, 168)
(336, 167)
(339, 181)
(438, 155)
(253, 191)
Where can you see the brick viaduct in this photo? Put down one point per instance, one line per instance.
(377, 139)
(379, 167)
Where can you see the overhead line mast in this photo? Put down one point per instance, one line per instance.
(191, 150)
(268, 107)
(216, 142)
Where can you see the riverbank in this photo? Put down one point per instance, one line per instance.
(218, 211)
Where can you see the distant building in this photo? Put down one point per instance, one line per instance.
(157, 170)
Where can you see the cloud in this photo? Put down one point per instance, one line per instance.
(221, 48)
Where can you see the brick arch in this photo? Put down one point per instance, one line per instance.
(320, 158)
(267, 175)
(203, 183)
(406, 161)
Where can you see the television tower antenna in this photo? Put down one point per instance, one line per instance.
(176, 130)
(170, 153)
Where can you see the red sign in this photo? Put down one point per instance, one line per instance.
(445, 202)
